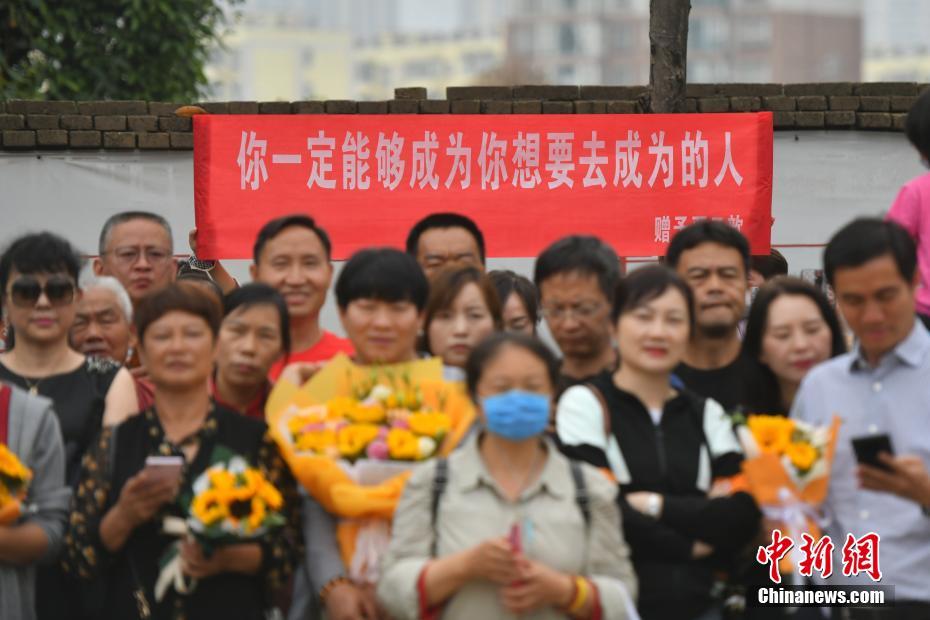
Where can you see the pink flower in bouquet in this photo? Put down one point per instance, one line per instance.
(377, 450)
(400, 423)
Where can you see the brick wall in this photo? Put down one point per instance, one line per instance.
(128, 125)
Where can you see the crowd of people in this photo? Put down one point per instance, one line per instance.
(614, 462)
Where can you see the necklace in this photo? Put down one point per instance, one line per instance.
(33, 385)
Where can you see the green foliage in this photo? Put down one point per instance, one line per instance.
(108, 49)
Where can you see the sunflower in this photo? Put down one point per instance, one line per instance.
(802, 454)
(210, 507)
(316, 441)
(430, 424)
(12, 471)
(340, 408)
(221, 479)
(258, 515)
(403, 445)
(372, 413)
(353, 439)
(270, 495)
(772, 433)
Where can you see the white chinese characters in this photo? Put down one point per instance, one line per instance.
(526, 160)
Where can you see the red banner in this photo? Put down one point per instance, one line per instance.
(527, 180)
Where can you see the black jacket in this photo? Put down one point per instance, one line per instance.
(692, 445)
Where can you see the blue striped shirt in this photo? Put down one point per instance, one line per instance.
(894, 398)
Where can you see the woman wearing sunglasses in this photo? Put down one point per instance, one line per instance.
(39, 295)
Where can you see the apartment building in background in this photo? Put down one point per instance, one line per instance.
(364, 49)
(357, 49)
(607, 41)
(897, 41)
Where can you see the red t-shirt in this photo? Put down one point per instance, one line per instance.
(328, 346)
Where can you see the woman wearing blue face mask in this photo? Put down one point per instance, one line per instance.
(507, 526)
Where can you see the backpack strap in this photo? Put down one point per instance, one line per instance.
(440, 479)
(582, 499)
(5, 394)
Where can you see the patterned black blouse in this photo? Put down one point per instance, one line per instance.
(119, 454)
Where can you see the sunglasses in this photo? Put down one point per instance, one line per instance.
(25, 292)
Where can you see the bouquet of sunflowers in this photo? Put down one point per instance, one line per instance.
(232, 503)
(787, 470)
(352, 434)
(14, 481)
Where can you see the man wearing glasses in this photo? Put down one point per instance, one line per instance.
(576, 277)
(136, 248)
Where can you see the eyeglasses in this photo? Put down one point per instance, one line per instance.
(127, 257)
(25, 292)
(582, 311)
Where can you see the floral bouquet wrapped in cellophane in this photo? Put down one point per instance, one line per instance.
(787, 470)
(352, 434)
(14, 481)
(232, 503)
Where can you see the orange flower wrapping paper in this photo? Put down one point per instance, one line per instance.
(787, 471)
(364, 493)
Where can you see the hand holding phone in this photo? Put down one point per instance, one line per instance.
(868, 448)
(146, 492)
(163, 468)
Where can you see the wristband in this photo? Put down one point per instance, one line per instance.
(582, 589)
(201, 265)
(330, 585)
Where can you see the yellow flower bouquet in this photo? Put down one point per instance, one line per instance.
(14, 481)
(787, 470)
(352, 434)
(231, 503)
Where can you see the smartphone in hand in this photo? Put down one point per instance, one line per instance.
(868, 448)
(164, 468)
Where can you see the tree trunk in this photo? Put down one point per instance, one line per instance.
(668, 51)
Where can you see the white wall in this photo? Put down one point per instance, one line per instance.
(822, 179)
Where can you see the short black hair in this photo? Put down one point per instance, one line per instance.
(127, 216)
(42, 252)
(381, 273)
(276, 226)
(643, 285)
(918, 124)
(488, 349)
(769, 265)
(444, 220)
(508, 282)
(707, 231)
(257, 294)
(582, 254)
(866, 238)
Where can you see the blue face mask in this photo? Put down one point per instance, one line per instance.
(516, 415)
